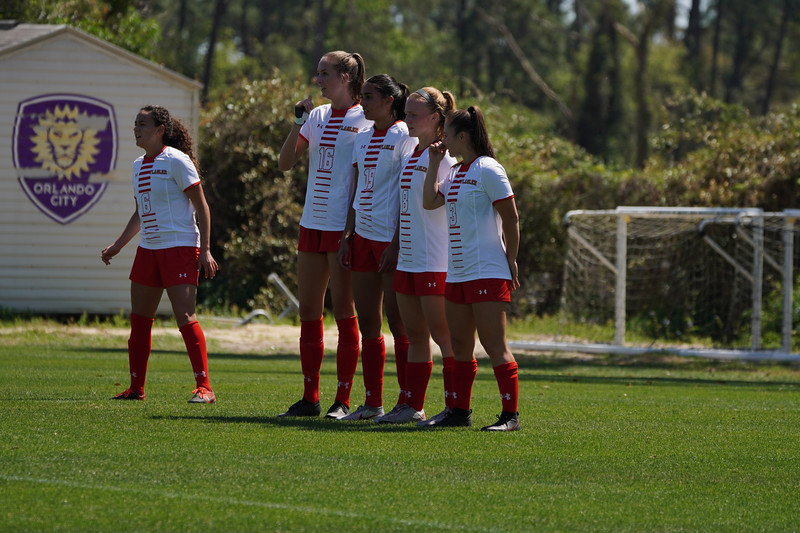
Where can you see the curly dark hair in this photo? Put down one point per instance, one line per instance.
(175, 133)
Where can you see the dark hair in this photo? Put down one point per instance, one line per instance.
(436, 101)
(471, 121)
(175, 133)
(388, 86)
(352, 65)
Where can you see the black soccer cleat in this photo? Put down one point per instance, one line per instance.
(337, 411)
(507, 421)
(303, 408)
(455, 418)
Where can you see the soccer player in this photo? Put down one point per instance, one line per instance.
(369, 242)
(482, 265)
(328, 133)
(422, 260)
(169, 204)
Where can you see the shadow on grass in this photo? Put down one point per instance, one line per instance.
(309, 423)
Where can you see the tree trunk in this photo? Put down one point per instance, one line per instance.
(694, 32)
(776, 58)
(712, 84)
(219, 11)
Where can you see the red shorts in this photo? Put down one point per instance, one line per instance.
(365, 254)
(419, 283)
(479, 290)
(319, 241)
(167, 267)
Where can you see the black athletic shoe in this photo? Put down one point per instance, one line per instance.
(337, 411)
(128, 394)
(505, 422)
(456, 418)
(303, 408)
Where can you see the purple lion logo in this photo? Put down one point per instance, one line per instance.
(60, 142)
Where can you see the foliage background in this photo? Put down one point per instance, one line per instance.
(591, 104)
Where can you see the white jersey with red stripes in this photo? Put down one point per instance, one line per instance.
(166, 215)
(330, 134)
(378, 155)
(476, 246)
(423, 232)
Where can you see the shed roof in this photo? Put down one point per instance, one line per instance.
(14, 37)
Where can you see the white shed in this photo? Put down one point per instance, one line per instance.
(67, 105)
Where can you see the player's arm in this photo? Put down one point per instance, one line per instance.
(198, 199)
(431, 199)
(294, 145)
(507, 209)
(130, 231)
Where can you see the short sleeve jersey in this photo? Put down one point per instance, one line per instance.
(167, 216)
(476, 246)
(330, 134)
(423, 232)
(378, 156)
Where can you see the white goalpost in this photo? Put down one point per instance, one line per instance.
(678, 272)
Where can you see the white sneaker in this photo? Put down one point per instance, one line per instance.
(435, 419)
(396, 408)
(364, 412)
(403, 415)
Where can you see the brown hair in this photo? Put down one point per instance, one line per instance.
(471, 121)
(175, 133)
(351, 64)
(437, 101)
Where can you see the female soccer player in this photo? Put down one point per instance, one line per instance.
(172, 249)
(482, 265)
(369, 242)
(328, 133)
(422, 261)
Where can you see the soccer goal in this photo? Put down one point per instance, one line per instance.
(680, 273)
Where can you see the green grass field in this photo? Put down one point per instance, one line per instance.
(607, 444)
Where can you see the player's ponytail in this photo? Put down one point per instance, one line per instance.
(471, 120)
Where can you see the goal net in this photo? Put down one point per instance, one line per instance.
(675, 274)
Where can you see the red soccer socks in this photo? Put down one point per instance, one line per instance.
(417, 377)
(311, 350)
(373, 357)
(401, 360)
(508, 382)
(464, 373)
(195, 342)
(139, 344)
(346, 357)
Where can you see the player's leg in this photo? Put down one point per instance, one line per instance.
(398, 329)
(183, 299)
(144, 304)
(312, 281)
(491, 320)
(368, 298)
(433, 311)
(347, 348)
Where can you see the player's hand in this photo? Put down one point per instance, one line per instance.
(388, 260)
(109, 252)
(436, 153)
(343, 255)
(512, 266)
(208, 265)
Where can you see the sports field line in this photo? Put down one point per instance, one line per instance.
(247, 503)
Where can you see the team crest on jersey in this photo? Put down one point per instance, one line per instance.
(61, 142)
